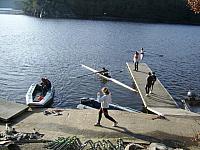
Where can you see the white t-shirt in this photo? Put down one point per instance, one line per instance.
(105, 100)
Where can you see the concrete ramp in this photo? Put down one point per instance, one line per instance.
(9, 110)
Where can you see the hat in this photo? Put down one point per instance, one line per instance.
(105, 90)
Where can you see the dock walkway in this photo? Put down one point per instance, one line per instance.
(9, 110)
(160, 101)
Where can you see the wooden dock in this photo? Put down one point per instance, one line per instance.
(160, 101)
(9, 110)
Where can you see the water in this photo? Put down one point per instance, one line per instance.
(32, 48)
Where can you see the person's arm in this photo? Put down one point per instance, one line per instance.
(100, 99)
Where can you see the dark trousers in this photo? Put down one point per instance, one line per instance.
(147, 88)
(152, 85)
(136, 66)
(105, 111)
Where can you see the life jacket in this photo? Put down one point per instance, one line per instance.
(40, 98)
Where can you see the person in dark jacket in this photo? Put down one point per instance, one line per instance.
(46, 85)
(149, 83)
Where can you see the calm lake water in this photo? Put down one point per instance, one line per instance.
(32, 48)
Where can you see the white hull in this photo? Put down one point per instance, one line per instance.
(31, 97)
(91, 103)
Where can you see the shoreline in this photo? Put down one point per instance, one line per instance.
(113, 19)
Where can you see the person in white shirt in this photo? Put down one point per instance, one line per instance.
(141, 54)
(105, 100)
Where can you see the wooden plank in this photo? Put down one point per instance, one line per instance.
(109, 79)
(160, 101)
(9, 109)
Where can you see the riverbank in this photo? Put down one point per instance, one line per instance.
(173, 131)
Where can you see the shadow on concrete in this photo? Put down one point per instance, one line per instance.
(170, 140)
(26, 114)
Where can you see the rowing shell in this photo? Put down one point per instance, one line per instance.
(109, 79)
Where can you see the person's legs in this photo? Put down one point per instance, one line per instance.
(137, 66)
(105, 111)
(100, 116)
(146, 88)
(152, 86)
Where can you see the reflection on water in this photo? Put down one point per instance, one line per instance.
(32, 48)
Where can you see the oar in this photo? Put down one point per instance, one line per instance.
(88, 74)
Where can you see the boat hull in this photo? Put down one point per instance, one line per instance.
(192, 105)
(93, 103)
(34, 96)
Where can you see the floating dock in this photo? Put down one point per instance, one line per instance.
(9, 110)
(11, 11)
(160, 101)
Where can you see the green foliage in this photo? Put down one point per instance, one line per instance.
(136, 10)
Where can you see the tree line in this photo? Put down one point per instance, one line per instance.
(134, 10)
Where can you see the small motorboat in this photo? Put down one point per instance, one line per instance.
(191, 102)
(35, 97)
(92, 103)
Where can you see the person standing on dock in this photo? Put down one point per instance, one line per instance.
(136, 59)
(149, 83)
(105, 100)
(153, 81)
(141, 54)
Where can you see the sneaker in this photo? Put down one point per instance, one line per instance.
(147, 95)
(150, 92)
(97, 124)
(115, 124)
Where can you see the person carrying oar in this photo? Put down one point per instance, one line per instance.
(105, 100)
